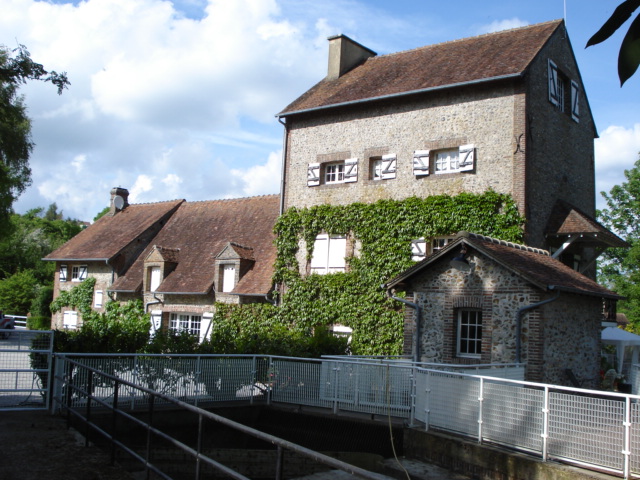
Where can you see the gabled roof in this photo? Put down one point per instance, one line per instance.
(494, 56)
(568, 221)
(244, 253)
(170, 255)
(533, 265)
(111, 234)
(200, 230)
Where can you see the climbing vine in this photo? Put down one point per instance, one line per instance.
(384, 231)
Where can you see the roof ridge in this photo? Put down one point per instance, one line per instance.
(505, 243)
(275, 195)
(464, 39)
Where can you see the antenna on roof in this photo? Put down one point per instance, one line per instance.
(565, 11)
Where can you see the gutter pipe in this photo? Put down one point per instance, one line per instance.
(284, 162)
(519, 319)
(417, 314)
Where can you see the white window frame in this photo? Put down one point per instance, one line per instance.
(469, 333)
(454, 160)
(329, 252)
(155, 278)
(64, 272)
(78, 273)
(189, 322)
(384, 167)
(345, 171)
(70, 320)
(98, 299)
(438, 243)
(376, 169)
(228, 277)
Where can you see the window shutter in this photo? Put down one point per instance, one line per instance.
(553, 84)
(351, 170)
(83, 272)
(63, 273)
(466, 158)
(205, 326)
(418, 249)
(337, 252)
(575, 101)
(98, 299)
(313, 175)
(421, 162)
(228, 278)
(154, 281)
(320, 252)
(388, 166)
(156, 321)
(70, 319)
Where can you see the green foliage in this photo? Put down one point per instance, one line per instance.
(38, 323)
(78, 298)
(629, 55)
(16, 67)
(619, 268)
(102, 213)
(17, 293)
(40, 306)
(385, 230)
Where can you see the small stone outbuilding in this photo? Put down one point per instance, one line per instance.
(481, 300)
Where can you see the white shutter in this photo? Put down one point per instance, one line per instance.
(98, 299)
(156, 321)
(337, 252)
(418, 249)
(70, 319)
(388, 166)
(205, 326)
(155, 279)
(421, 162)
(320, 253)
(575, 101)
(351, 170)
(83, 272)
(553, 84)
(313, 175)
(228, 278)
(63, 273)
(466, 158)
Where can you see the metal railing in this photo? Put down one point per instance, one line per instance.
(593, 429)
(86, 379)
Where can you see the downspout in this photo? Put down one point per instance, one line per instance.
(146, 308)
(284, 163)
(417, 315)
(113, 278)
(519, 319)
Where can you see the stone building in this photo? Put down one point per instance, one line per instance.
(482, 300)
(178, 257)
(504, 111)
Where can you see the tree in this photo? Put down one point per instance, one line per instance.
(620, 267)
(17, 293)
(629, 55)
(16, 68)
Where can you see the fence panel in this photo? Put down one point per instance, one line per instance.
(25, 363)
(453, 402)
(299, 382)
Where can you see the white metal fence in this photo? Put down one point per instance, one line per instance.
(593, 429)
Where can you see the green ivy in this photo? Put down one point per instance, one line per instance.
(385, 230)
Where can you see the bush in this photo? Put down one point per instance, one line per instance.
(39, 323)
(40, 306)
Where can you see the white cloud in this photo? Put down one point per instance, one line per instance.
(261, 179)
(499, 25)
(615, 151)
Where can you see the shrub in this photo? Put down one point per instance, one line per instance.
(39, 323)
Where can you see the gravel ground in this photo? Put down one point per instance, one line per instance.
(36, 445)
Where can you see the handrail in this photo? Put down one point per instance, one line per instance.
(280, 443)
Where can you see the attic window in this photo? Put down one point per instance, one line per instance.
(564, 93)
(154, 278)
(228, 277)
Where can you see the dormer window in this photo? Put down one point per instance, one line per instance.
(155, 277)
(228, 277)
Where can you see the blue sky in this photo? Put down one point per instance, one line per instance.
(177, 99)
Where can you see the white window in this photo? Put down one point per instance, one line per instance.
(329, 253)
(70, 320)
(455, 160)
(78, 273)
(97, 299)
(439, 243)
(383, 168)
(63, 273)
(341, 172)
(376, 169)
(228, 278)
(154, 278)
(185, 322)
(469, 333)
(421, 163)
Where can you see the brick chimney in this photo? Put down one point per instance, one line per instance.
(345, 54)
(119, 200)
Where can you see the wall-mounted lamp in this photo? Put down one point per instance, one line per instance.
(460, 262)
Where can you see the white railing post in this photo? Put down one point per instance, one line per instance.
(626, 451)
(335, 388)
(480, 412)
(135, 380)
(412, 398)
(545, 425)
(197, 376)
(427, 401)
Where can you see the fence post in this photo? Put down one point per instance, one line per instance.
(545, 425)
(480, 409)
(57, 372)
(198, 375)
(135, 380)
(114, 422)
(88, 414)
(412, 398)
(427, 401)
(335, 389)
(627, 437)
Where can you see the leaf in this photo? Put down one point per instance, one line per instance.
(629, 56)
(619, 16)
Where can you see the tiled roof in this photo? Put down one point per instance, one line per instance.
(110, 234)
(171, 255)
(200, 230)
(532, 264)
(470, 60)
(567, 220)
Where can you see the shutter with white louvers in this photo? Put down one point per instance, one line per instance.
(421, 162)
(205, 326)
(388, 167)
(83, 272)
(466, 158)
(418, 249)
(575, 99)
(313, 175)
(554, 96)
(351, 170)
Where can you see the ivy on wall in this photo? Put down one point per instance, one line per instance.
(384, 230)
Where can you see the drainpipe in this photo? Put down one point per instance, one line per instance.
(146, 307)
(284, 163)
(519, 319)
(417, 314)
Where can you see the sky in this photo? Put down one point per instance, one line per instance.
(178, 99)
